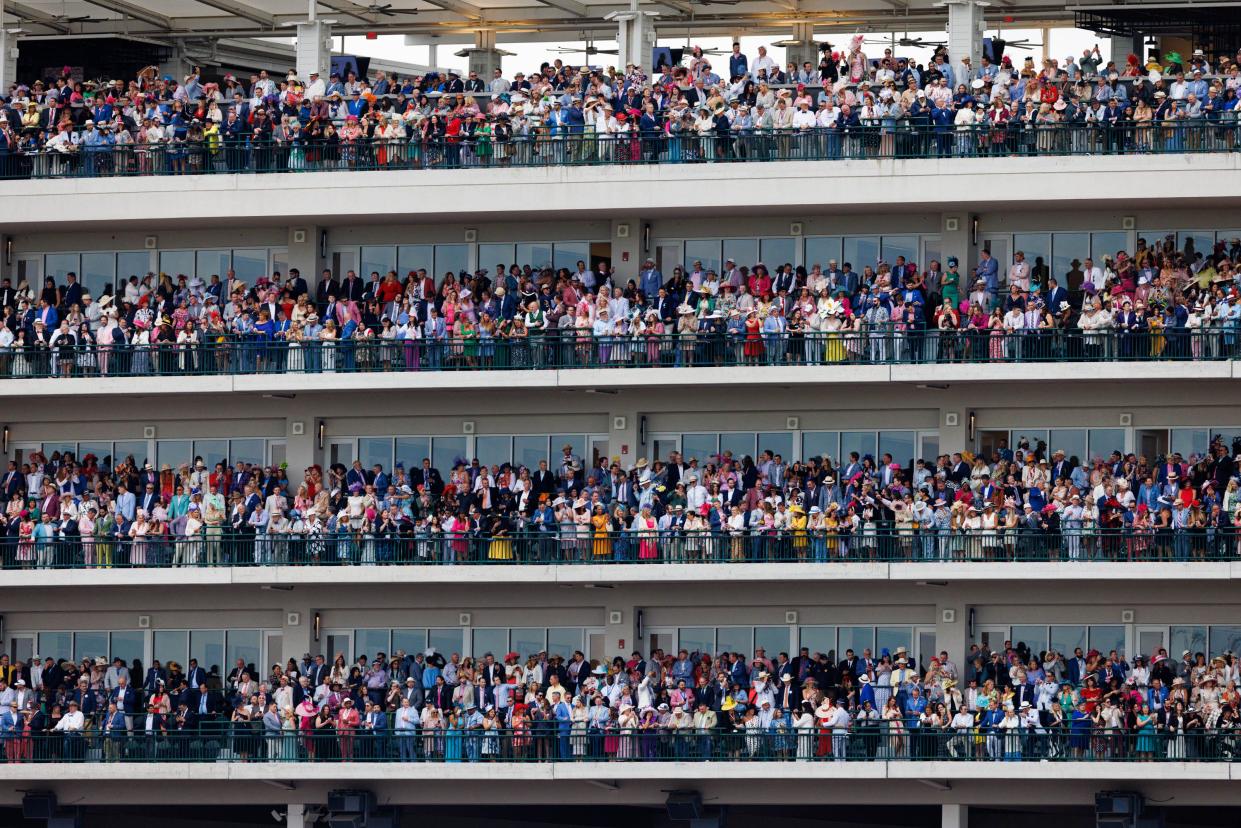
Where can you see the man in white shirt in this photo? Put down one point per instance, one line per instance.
(316, 88)
(1019, 271)
(763, 61)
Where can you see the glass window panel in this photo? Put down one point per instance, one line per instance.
(372, 450)
(697, 639)
(128, 645)
(821, 250)
(1202, 240)
(58, 645)
(250, 265)
(529, 450)
(774, 640)
(1034, 636)
(1190, 441)
(1072, 441)
(212, 451)
(818, 639)
(377, 259)
(133, 263)
(777, 442)
(578, 441)
(932, 251)
(700, 446)
(244, 645)
(410, 641)
(1104, 441)
(820, 444)
(891, 638)
(446, 453)
(493, 450)
(900, 444)
(738, 443)
(860, 251)
(735, 640)
(1107, 244)
(208, 263)
(930, 448)
(1065, 248)
(743, 251)
(451, 257)
(568, 254)
(174, 452)
(863, 442)
(538, 256)
(706, 251)
(492, 640)
(777, 252)
(1107, 637)
(1224, 637)
(859, 639)
(1154, 238)
(249, 450)
(446, 641)
(89, 645)
(493, 255)
(1192, 638)
(100, 450)
(563, 641)
(175, 262)
(1035, 246)
(420, 257)
(1028, 439)
(63, 448)
(1066, 639)
(57, 265)
(171, 645)
(411, 451)
(526, 641)
(98, 271)
(894, 246)
(137, 449)
(370, 643)
(208, 647)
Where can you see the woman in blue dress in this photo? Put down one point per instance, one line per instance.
(1144, 724)
(453, 738)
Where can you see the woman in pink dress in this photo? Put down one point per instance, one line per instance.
(648, 543)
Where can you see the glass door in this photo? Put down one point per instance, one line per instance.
(598, 450)
(664, 444)
(29, 269)
(22, 452)
(991, 638)
(999, 247)
(1150, 640)
(343, 260)
(661, 638)
(277, 452)
(273, 649)
(596, 645)
(21, 648)
(341, 451)
(924, 640)
(338, 642)
(667, 256)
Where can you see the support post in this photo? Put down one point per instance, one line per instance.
(314, 49)
(807, 48)
(965, 30)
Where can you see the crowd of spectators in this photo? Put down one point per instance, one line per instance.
(1156, 302)
(1022, 502)
(853, 105)
(1010, 704)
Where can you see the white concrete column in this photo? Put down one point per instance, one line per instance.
(303, 244)
(955, 816)
(313, 49)
(965, 29)
(8, 56)
(635, 33)
(296, 816)
(807, 49)
(484, 57)
(623, 442)
(619, 637)
(299, 639)
(951, 636)
(953, 438)
(176, 65)
(627, 253)
(957, 240)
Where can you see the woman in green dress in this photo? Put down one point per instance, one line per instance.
(950, 284)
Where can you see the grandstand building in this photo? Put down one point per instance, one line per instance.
(909, 496)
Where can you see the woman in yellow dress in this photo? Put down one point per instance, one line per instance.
(801, 538)
(600, 521)
(501, 547)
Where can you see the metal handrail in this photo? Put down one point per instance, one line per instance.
(214, 547)
(226, 354)
(880, 138)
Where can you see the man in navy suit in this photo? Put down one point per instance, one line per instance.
(125, 698)
(195, 675)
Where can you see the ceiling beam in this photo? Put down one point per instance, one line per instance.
(127, 9)
(459, 7)
(242, 10)
(570, 6)
(676, 5)
(33, 15)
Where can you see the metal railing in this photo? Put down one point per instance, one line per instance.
(232, 355)
(365, 546)
(543, 742)
(898, 139)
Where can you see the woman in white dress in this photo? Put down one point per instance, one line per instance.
(327, 343)
(296, 361)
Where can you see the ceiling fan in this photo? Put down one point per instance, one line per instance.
(587, 50)
(919, 43)
(386, 9)
(1023, 43)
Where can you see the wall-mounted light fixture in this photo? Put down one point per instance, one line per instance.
(322, 434)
